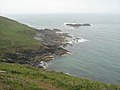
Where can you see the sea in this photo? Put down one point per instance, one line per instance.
(96, 56)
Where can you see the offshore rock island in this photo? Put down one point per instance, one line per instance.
(77, 24)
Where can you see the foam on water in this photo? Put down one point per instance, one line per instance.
(76, 40)
(82, 40)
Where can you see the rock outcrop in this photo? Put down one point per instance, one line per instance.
(34, 57)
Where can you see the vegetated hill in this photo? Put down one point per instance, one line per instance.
(20, 77)
(14, 34)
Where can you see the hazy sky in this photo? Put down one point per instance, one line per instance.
(59, 6)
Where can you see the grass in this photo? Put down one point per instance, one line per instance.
(21, 77)
(14, 34)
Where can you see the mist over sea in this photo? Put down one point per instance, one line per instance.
(96, 58)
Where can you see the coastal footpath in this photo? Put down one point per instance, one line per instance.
(23, 48)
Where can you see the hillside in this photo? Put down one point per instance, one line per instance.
(17, 39)
(15, 34)
(19, 77)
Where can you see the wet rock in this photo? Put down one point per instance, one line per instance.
(42, 64)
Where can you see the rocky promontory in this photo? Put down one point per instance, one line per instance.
(54, 42)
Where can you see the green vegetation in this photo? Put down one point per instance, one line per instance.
(20, 77)
(14, 35)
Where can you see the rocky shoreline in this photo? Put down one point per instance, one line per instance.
(53, 37)
(54, 45)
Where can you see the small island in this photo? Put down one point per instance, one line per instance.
(77, 24)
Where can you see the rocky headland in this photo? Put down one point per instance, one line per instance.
(54, 45)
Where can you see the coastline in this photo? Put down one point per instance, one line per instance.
(23, 54)
(53, 38)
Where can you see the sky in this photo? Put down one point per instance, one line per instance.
(59, 6)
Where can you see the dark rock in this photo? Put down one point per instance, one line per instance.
(77, 24)
(42, 64)
(51, 37)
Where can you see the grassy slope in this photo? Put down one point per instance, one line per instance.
(19, 77)
(15, 34)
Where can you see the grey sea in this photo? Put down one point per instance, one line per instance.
(96, 56)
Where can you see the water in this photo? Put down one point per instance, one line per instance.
(98, 58)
